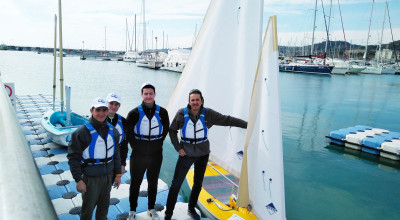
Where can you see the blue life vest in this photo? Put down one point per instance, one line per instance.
(120, 128)
(194, 133)
(148, 129)
(99, 151)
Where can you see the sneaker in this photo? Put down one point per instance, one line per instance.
(132, 215)
(193, 214)
(153, 214)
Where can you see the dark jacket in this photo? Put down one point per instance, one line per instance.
(211, 118)
(142, 146)
(124, 144)
(80, 140)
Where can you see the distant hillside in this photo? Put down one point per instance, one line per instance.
(337, 49)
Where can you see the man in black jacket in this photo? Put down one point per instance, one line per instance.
(147, 127)
(94, 159)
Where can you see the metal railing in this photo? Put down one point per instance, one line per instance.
(23, 194)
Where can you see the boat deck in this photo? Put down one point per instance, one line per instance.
(53, 166)
(220, 188)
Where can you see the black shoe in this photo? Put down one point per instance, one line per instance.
(193, 214)
(167, 216)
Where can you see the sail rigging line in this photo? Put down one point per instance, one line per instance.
(230, 181)
(326, 29)
(312, 40)
(344, 34)
(391, 31)
(369, 29)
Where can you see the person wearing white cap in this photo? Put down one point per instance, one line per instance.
(147, 127)
(119, 122)
(94, 160)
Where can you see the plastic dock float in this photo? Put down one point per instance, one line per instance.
(375, 141)
(53, 166)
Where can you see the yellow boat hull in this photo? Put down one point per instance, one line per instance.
(214, 208)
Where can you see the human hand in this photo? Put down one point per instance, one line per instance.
(117, 182)
(81, 187)
(182, 152)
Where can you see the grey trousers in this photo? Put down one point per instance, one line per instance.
(97, 194)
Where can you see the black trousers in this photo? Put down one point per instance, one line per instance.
(182, 167)
(139, 164)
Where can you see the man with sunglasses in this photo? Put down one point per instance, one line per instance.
(119, 122)
(194, 121)
(94, 160)
(147, 127)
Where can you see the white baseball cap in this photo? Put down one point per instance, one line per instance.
(148, 85)
(113, 97)
(99, 102)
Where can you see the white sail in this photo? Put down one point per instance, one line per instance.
(222, 65)
(263, 148)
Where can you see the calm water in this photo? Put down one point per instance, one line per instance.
(321, 181)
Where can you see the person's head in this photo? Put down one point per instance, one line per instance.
(114, 102)
(196, 99)
(99, 109)
(148, 93)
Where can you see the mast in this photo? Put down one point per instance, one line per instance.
(55, 61)
(390, 24)
(345, 41)
(61, 58)
(126, 35)
(327, 29)
(312, 42)
(105, 39)
(369, 29)
(135, 33)
(144, 28)
(380, 43)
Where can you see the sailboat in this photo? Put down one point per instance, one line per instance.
(228, 50)
(315, 64)
(149, 60)
(130, 55)
(378, 67)
(176, 60)
(60, 124)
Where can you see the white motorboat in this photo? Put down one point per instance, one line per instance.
(176, 60)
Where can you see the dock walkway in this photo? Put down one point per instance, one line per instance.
(53, 167)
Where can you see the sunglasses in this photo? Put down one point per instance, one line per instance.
(101, 109)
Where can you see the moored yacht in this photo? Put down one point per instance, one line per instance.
(176, 60)
(131, 56)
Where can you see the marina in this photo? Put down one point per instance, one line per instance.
(316, 172)
(267, 156)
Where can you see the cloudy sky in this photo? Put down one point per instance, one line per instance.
(31, 22)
